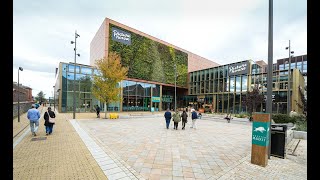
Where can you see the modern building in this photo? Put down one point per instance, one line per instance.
(224, 87)
(150, 83)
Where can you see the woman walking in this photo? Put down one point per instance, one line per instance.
(49, 125)
(184, 117)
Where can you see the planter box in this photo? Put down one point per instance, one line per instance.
(299, 134)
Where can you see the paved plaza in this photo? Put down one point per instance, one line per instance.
(138, 146)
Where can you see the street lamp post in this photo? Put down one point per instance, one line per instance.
(269, 75)
(175, 87)
(74, 76)
(20, 69)
(289, 80)
(54, 99)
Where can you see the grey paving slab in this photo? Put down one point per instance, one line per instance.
(215, 150)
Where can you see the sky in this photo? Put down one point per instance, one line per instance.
(222, 31)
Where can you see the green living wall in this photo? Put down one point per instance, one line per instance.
(151, 60)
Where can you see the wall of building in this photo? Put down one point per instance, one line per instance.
(25, 93)
(98, 44)
(24, 107)
(195, 62)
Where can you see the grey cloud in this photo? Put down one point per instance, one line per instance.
(40, 66)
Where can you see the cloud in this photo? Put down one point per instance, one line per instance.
(222, 31)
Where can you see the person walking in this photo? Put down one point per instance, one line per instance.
(167, 116)
(33, 115)
(98, 111)
(228, 117)
(48, 125)
(184, 117)
(194, 118)
(176, 119)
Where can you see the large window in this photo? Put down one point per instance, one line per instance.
(244, 83)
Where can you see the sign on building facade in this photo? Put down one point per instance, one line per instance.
(121, 36)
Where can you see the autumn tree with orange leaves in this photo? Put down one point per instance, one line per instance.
(106, 84)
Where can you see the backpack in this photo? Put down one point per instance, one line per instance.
(184, 116)
(194, 115)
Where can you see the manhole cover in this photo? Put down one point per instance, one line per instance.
(38, 138)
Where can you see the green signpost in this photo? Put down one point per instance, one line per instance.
(260, 133)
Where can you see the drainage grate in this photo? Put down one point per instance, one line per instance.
(38, 138)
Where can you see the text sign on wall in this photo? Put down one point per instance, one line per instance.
(239, 68)
(155, 99)
(166, 98)
(121, 36)
(260, 133)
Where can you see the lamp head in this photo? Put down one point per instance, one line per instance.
(77, 35)
(72, 42)
(78, 55)
(292, 52)
(287, 48)
(20, 68)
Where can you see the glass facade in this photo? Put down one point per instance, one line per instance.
(136, 96)
(212, 87)
(81, 88)
(230, 91)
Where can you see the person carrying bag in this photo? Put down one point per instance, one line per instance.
(49, 120)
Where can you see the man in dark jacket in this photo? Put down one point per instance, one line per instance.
(167, 116)
(98, 111)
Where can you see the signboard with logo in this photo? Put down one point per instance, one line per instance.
(260, 133)
(155, 99)
(260, 138)
(238, 68)
(121, 36)
(167, 98)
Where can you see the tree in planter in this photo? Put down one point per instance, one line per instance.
(252, 100)
(105, 84)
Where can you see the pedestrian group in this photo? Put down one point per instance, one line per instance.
(33, 115)
(177, 117)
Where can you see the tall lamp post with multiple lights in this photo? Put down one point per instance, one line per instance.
(269, 74)
(54, 99)
(175, 87)
(289, 79)
(20, 69)
(74, 77)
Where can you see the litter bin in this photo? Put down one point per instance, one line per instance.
(278, 140)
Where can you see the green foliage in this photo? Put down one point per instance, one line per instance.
(105, 85)
(40, 97)
(283, 118)
(150, 60)
(301, 126)
(241, 115)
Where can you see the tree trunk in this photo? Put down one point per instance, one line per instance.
(105, 110)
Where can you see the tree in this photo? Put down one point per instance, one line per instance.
(105, 84)
(40, 97)
(253, 99)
